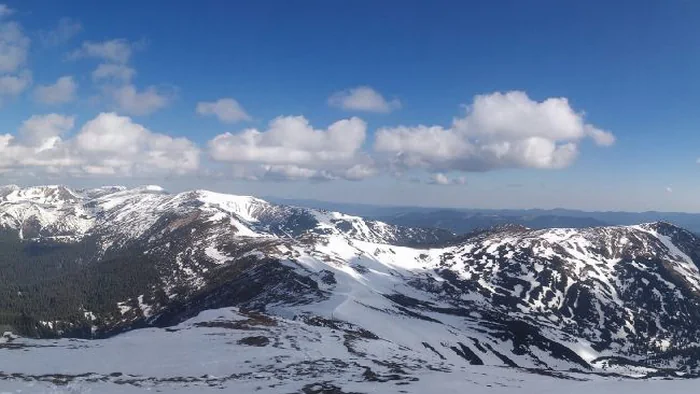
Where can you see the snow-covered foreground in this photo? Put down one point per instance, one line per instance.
(227, 350)
(474, 381)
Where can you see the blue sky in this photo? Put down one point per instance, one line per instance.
(627, 68)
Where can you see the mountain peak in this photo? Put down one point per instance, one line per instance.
(48, 194)
(662, 227)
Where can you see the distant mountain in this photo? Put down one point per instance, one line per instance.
(95, 263)
(365, 210)
(464, 220)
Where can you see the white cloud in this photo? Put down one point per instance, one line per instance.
(442, 179)
(14, 46)
(113, 51)
(61, 92)
(291, 149)
(133, 102)
(113, 77)
(500, 130)
(41, 131)
(113, 72)
(227, 110)
(38, 145)
(106, 145)
(362, 98)
(12, 85)
(289, 173)
(669, 189)
(66, 29)
(359, 171)
(601, 137)
(113, 144)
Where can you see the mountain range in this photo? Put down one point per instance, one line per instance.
(463, 220)
(95, 263)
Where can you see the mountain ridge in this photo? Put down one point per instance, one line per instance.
(463, 220)
(94, 263)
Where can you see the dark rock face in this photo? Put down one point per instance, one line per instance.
(259, 340)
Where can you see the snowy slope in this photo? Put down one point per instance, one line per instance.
(553, 299)
(227, 350)
(599, 300)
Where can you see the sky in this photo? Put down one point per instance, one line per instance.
(503, 104)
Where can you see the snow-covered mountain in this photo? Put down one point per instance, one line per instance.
(606, 299)
(119, 215)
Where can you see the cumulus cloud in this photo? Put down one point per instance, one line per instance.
(66, 29)
(113, 77)
(61, 92)
(499, 130)
(42, 131)
(227, 110)
(12, 85)
(38, 145)
(292, 149)
(669, 189)
(113, 73)
(106, 145)
(134, 102)
(113, 144)
(113, 51)
(362, 98)
(14, 46)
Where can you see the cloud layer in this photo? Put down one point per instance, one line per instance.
(498, 130)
